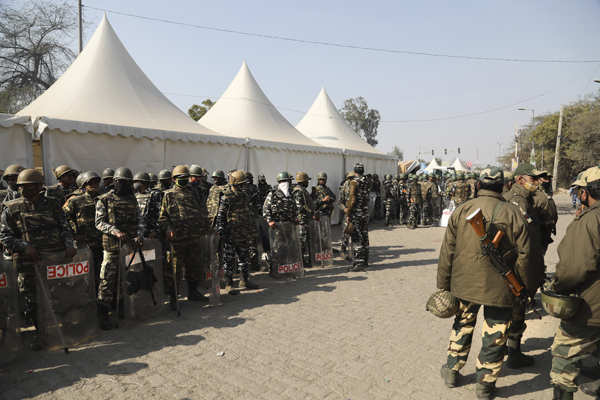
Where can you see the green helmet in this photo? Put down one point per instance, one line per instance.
(218, 174)
(283, 176)
(181, 171)
(196, 170)
(302, 177)
(108, 173)
(164, 174)
(87, 177)
(142, 177)
(153, 178)
(62, 170)
(442, 304)
(559, 305)
(123, 173)
(30, 175)
(79, 180)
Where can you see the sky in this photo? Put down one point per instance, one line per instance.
(190, 64)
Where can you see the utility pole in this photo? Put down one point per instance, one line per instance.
(80, 26)
(557, 150)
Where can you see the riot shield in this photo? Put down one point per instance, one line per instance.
(141, 277)
(372, 201)
(10, 317)
(321, 242)
(66, 301)
(286, 253)
(209, 258)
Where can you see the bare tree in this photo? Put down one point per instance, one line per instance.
(34, 49)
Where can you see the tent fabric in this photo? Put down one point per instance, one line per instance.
(324, 124)
(104, 86)
(244, 111)
(15, 141)
(458, 165)
(433, 165)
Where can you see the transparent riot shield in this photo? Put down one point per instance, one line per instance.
(10, 317)
(286, 253)
(209, 258)
(142, 282)
(66, 301)
(321, 242)
(372, 201)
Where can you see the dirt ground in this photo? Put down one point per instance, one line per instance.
(332, 335)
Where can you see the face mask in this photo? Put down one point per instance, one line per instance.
(29, 191)
(284, 187)
(195, 183)
(547, 187)
(123, 187)
(580, 195)
(12, 186)
(182, 182)
(531, 187)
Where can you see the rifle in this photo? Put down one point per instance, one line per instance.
(490, 249)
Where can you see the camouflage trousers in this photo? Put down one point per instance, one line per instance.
(232, 247)
(389, 211)
(345, 236)
(304, 235)
(413, 215)
(360, 241)
(253, 247)
(427, 212)
(27, 292)
(107, 289)
(571, 345)
(185, 260)
(493, 344)
(402, 213)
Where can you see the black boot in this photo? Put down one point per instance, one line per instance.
(449, 376)
(246, 284)
(516, 359)
(485, 390)
(106, 317)
(561, 394)
(229, 285)
(592, 388)
(172, 302)
(194, 294)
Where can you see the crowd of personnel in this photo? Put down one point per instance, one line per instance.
(180, 208)
(492, 257)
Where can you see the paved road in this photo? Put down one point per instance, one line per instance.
(333, 335)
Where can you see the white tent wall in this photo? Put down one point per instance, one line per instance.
(211, 156)
(373, 165)
(15, 141)
(95, 152)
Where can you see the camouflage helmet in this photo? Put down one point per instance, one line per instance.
(142, 177)
(560, 305)
(62, 170)
(492, 175)
(108, 173)
(302, 177)
(164, 175)
(442, 304)
(218, 174)
(180, 171)
(30, 175)
(359, 168)
(123, 173)
(322, 175)
(196, 170)
(283, 176)
(237, 177)
(153, 177)
(13, 170)
(87, 177)
(586, 177)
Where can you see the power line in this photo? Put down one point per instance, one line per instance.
(350, 46)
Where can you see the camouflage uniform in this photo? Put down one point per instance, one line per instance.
(60, 193)
(115, 213)
(255, 208)
(389, 198)
(80, 212)
(149, 203)
(426, 194)
(319, 193)
(472, 182)
(376, 188)
(403, 201)
(436, 201)
(42, 225)
(357, 211)
(304, 215)
(344, 192)
(279, 208)
(415, 201)
(460, 192)
(263, 191)
(182, 214)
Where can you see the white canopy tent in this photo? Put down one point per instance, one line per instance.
(324, 124)
(15, 141)
(458, 165)
(434, 165)
(245, 112)
(105, 112)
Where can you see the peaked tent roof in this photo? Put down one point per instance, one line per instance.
(105, 91)
(324, 124)
(459, 165)
(244, 111)
(433, 165)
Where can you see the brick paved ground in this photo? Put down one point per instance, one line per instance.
(332, 335)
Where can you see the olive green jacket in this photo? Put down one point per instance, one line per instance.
(578, 270)
(465, 270)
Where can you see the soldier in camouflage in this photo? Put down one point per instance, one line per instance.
(403, 199)
(66, 184)
(279, 205)
(232, 223)
(119, 220)
(436, 199)
(376, 188)
(107, 180)
(263, 191)
(149, 202)
(165, 180)
(389, 198)
(357, 213)
(426, 193)
(304, 215)
(322, 197)
(415, 201)
(460, 191)
(474, 282)
(472, 182)
(10, 177)
(344, 191)
(214, 195)
(30, 226)
(80, 212)
(251, 191)
(184, 220)
(198, 183)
